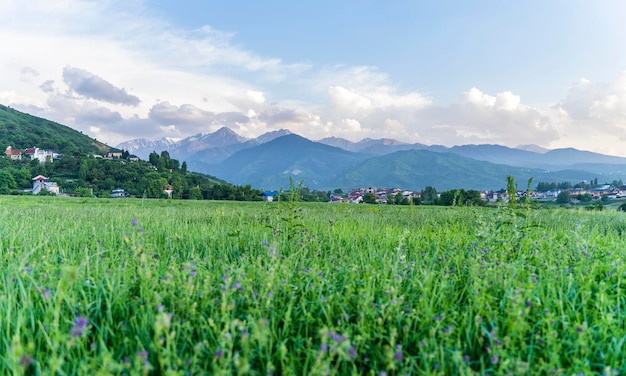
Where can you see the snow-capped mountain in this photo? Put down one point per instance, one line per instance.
(142, 147)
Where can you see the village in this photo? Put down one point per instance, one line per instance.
(356, 195)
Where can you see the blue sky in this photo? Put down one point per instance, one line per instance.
(550, 73)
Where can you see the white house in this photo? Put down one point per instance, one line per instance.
(41, 182)
(118, 193)
(269, 195)
(13, 154)
(41, 155)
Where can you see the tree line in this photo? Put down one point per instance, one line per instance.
(83, 175)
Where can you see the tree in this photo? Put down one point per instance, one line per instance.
(398, 199)
(7, 180)
(183, 168)
(584, 197)
(369, 198)
(153, 158)
(195, 193)
(429, 195)
(564, 197)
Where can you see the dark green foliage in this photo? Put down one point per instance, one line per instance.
(21, 131)
(369, 198)
(564, 197)
(429, 195)
(460, 197)
(87, 176)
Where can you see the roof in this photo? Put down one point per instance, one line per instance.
(40, 177)
(270, 193)
(13, 152)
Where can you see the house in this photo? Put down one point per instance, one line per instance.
(118, 193)
(168, 191)
(41, 182)
(269, 195)
(133, 157)
(335, 198)
(41, 155)
(113, 153)
(13, 154)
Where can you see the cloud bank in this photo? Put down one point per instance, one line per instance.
(116, 71)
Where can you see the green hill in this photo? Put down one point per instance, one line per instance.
(20, 131)
(416, 169)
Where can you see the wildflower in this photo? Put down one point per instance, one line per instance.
(324, 348)
(80, 323)
(143, 354)
(337, 337)
(398, 356)
(218, 354)
(265, 243)
(46, 293)
(26, 360)
(466, 359)
(494, 359)
(352, 352)
(133, 222)
(28, 268)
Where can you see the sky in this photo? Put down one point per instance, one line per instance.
(547, 73)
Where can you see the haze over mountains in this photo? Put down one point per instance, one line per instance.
(269, 160)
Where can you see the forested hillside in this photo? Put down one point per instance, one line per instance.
(89, 176)
(20, 131)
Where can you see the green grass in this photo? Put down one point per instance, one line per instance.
(181, 287)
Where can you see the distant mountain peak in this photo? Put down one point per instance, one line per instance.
(272, 135)
(534, 148)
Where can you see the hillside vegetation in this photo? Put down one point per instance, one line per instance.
(20, 131)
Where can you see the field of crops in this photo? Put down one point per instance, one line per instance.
(92, 286)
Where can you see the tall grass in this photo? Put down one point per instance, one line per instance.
(170, 287)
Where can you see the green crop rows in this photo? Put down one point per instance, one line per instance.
(98, 286)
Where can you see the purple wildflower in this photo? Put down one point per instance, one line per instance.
(337, 337)
(352, 352)
(133, 222)
(579, 329)
(494, 359)
(143, 354)
(80, 323)
(26, 360)
(398, 356)
(218, 354)
(46, 293)
(324, 348)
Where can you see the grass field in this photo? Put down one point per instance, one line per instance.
(98, 286)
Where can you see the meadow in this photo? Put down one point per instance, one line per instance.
(131, 286)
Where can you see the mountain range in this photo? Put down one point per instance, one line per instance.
(269, 161)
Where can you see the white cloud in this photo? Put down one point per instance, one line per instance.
(115, 70)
